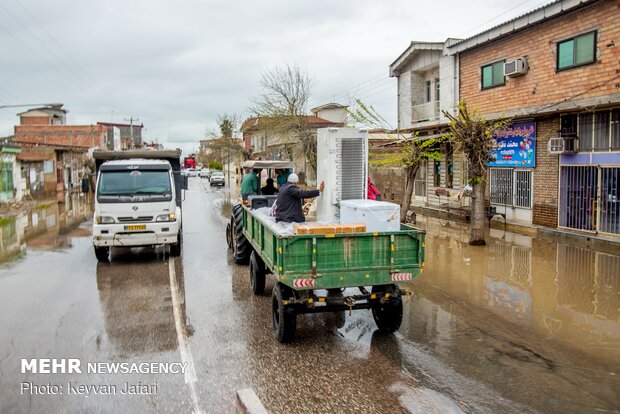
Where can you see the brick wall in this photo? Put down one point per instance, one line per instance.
(34, 120)
(546, 182)
(542, 85)
(86, 136)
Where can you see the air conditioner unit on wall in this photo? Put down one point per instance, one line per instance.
(562, 145)
(516, 67)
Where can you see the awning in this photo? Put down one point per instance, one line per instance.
(258, 164)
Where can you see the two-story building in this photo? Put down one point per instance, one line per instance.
(427, 85)
(554, 71)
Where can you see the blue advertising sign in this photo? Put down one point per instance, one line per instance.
(515, 146)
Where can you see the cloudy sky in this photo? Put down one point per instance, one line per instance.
(175, 65)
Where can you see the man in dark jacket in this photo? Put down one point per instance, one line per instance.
(290, 199)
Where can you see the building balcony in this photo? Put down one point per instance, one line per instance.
(426, 112)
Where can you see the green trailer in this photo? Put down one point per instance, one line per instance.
(312, 271)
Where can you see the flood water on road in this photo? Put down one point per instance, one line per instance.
(44, 226)
(562, 292)
(528, 316)
(521, 325)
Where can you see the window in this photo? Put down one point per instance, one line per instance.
(597, 131)
(428, 91)
(511, 187)
(436, 89)
(6, 176)
(449, 166)
(436, 173)
(578, 51)
(419, 183)
(493, 75)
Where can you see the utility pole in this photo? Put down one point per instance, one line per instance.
(131, 120)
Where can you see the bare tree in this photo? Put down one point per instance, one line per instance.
(282, 105)
(473, 135)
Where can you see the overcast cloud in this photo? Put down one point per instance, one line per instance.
(176, 65)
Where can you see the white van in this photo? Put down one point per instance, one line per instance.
(136, 204)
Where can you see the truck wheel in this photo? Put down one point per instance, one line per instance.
(284, 318)
(175, 248)
(257, 273)
(241, 246)
(388, 316)
(102, 253)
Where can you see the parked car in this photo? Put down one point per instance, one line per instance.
(205, 173)
(217, 178)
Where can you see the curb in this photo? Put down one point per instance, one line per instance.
(247, 402)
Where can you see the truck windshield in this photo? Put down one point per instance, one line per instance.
(135, 182)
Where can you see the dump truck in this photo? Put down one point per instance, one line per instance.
(138, 200)
(330, 272)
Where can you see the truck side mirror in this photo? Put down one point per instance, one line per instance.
(185, 179)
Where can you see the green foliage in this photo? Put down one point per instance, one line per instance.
(4, 220)
(411, 154)
(472, 135)
(215, 165)
(368, 116)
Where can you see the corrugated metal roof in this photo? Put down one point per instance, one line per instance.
(550, 10)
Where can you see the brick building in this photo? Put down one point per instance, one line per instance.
(45, 115)
(556, 71)
(55, 154)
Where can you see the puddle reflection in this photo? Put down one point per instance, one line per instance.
(136, 301)
(561, 291)
(47, 225)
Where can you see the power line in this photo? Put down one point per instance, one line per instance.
(61, 48)
(79, 82)
(344, 92)
(500, 15)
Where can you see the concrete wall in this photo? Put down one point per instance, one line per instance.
(338, 115)
(404, 100)
(448, 77)
(542, 84)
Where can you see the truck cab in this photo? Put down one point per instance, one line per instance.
(137, 203)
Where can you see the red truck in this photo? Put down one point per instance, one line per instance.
(189, 162)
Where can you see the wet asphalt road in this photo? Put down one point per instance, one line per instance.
(198, 309)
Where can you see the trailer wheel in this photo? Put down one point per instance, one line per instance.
(257, 273)
(102, 253)
(284, 318)
(229, 228)
(175, 248)
(388, 316)
(241, 246)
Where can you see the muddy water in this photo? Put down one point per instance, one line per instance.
(555, 291)
(47, 225)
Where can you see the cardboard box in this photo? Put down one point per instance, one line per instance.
(300, 229)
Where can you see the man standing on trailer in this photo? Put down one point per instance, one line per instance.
(290, 199)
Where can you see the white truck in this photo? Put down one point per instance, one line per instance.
(138, 200)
